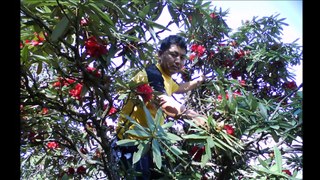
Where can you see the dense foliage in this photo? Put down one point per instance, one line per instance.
(77, 57)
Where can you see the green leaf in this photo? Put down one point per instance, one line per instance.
(25, 54)
(156, 153)
(263, 111)
(40, 160)
(39, 68)
(167, 125)
(65, 177)
(274, 135)
(194, 136)
(127, 142)
(137, 155)
(60, 29)
(159, 117)
(144, 11)
(149, 118)
(204, 159)
(173, 137)
(156, 25)
(227, 146)
(210, 142)
(278, 158)
(208, 151)
(139, 133)
(276, 127)
(101, 14)
(263, 163)
(173, 14)
(175, 150)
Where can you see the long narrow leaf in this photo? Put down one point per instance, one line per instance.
(278, 158)
(149, 118)
(138, 133)
(156, 153)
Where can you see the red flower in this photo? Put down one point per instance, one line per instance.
(33, 42)
(63, 82)
(236, 93)
(227, 63)
(76, 91)
(84, 22)
(201, 50)
(83, 150)
(192, 56)
(213, 15)
(94, 71)
(290, 85)
(145, 91)
(229, 129)
(287, 172)
(52, 145)
(70, 171)
(45, 110)
(220, 97)
(94, 48)
(242, 82)
(112, 111)
(235, 74)
(196, 152)
(198, 49)
(194, 47)
(81, 170)
(239, 54)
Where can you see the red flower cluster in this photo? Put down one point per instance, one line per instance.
(94, 71)
(70, 171)
(192, 56)
(239, 54)
(83, 150)
(63, 82)
(111, 111)
(52, 145)
(145, 91)
(81, 170)
(198, 49)
(227, 63)
(235, 74)
(44, 110)
(290, 85)
(242, 82)
(197, 152)
(213, 15)
(94, 48)
(287, 172)
(37, 41)
(229, 129)
(235, 94)
(76, 91)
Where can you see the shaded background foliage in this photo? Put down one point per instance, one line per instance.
(76, 61)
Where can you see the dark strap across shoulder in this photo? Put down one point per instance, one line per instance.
(155, 78)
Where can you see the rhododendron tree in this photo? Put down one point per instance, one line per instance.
(77, 59)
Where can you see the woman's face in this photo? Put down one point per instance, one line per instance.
(172, 60)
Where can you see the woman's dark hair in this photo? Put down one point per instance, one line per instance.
(172, 39)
